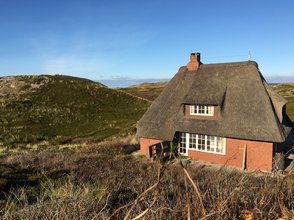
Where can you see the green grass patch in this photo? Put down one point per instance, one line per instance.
(145, 93)
(63, 108)
(286, 90)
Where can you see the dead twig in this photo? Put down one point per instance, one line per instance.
(139, 198)
(103, 207)
(143, 194)
(196, 190)
(145, 211)
(117, 210)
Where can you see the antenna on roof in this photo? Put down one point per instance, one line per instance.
(249, 56)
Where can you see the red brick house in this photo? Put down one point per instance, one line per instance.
(221, 113)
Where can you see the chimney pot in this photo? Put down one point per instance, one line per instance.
(194, 62)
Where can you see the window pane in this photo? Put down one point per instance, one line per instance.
(201, 142)
(192, 109)
(210, 143)
(192, 139)
(206, 109)
(220, 145)
(201, 109)
(182, 144)
(210, 110)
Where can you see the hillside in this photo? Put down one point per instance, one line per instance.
(286, 90)
(148, 91)
(60, 108)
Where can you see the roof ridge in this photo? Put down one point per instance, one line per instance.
(240, 63)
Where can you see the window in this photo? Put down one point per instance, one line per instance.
(211, 143)
(201, 110)
(193, 140)
(182, 144)
(220, 145)
(201, 142)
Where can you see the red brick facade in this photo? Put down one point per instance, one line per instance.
(145, 143)
(259, 155)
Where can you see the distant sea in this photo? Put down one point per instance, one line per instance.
(280, 79)
(123, 83)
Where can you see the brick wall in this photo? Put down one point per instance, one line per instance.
(145, 143)
(259, 154)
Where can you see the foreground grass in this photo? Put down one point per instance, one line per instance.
(95, 181)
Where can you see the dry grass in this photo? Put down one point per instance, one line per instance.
(106, 180)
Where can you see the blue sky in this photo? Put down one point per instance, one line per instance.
(142, 39)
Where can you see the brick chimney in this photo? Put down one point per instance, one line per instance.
(194, 62)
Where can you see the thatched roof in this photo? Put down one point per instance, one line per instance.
(249, 108)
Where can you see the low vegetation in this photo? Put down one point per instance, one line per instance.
(286, 90)
(148, 91)
(60, 109)
(109, 181)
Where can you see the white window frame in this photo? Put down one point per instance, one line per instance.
(208, 110)
(185, 142)
(215, 147)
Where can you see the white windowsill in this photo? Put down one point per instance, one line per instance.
(201, 114)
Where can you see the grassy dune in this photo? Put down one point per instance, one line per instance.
(148, 91)
(287, 90)
(62, 108)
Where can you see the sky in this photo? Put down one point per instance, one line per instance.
(111, 39)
